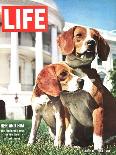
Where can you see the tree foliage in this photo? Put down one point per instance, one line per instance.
(113, 78)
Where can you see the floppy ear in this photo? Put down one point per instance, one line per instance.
(65, 42)
(103, 48)
(47, 81)
(36, 91)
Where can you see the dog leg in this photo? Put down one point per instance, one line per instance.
(37, 103)
(98, 129)
(59, 128)
(69, 133)
(51, 133)
(68, 136)
(36, 119)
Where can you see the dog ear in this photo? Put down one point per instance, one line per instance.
(47, 81)
(103, 48)
(65, 42)
(36, 91)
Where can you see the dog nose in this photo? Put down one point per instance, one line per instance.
(80, 83)
(91, 42)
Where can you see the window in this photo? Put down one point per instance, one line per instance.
(114, 56)
(114, 64)
(33, 38)
(19, 38)
(33, 77)
(99, 61)
(114, 61)
(19, 74)
(102, 76)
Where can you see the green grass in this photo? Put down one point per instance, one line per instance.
(43, 145)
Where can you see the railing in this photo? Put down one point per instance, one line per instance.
(24, 39)
(25, 87)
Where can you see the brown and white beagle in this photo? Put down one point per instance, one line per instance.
(50, 82)
(81, 45)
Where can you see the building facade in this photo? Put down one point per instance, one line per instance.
(23, 55)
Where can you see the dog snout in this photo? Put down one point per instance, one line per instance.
(91, 43)
(72, 84)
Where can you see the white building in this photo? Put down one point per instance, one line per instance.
(103, 67)
(23, 55)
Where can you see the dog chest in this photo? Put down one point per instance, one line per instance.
(80, 105)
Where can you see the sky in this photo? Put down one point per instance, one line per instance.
(93, 13)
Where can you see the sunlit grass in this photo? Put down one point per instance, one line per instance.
(43, 145)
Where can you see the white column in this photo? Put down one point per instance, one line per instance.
(60, 57)
(28, 76)
(38, 52)
(14, 85)
(55, 56)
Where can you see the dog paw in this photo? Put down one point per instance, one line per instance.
(68, 143)
(98, 143)
(30, 142)
(57, 143)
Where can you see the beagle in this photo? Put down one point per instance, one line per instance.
(50, 82)
(81, 45)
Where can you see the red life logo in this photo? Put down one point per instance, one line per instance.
(24, 18)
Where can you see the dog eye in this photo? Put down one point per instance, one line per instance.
(78, 35)
(63, 75)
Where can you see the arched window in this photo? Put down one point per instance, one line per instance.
(99, 61)
(102, 75)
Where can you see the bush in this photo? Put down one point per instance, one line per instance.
(113, 78)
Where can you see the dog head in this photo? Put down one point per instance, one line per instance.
(81, 45)
(54, 78)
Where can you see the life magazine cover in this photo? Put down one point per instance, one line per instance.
(57, 77)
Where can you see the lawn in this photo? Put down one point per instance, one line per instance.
(19, 131)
